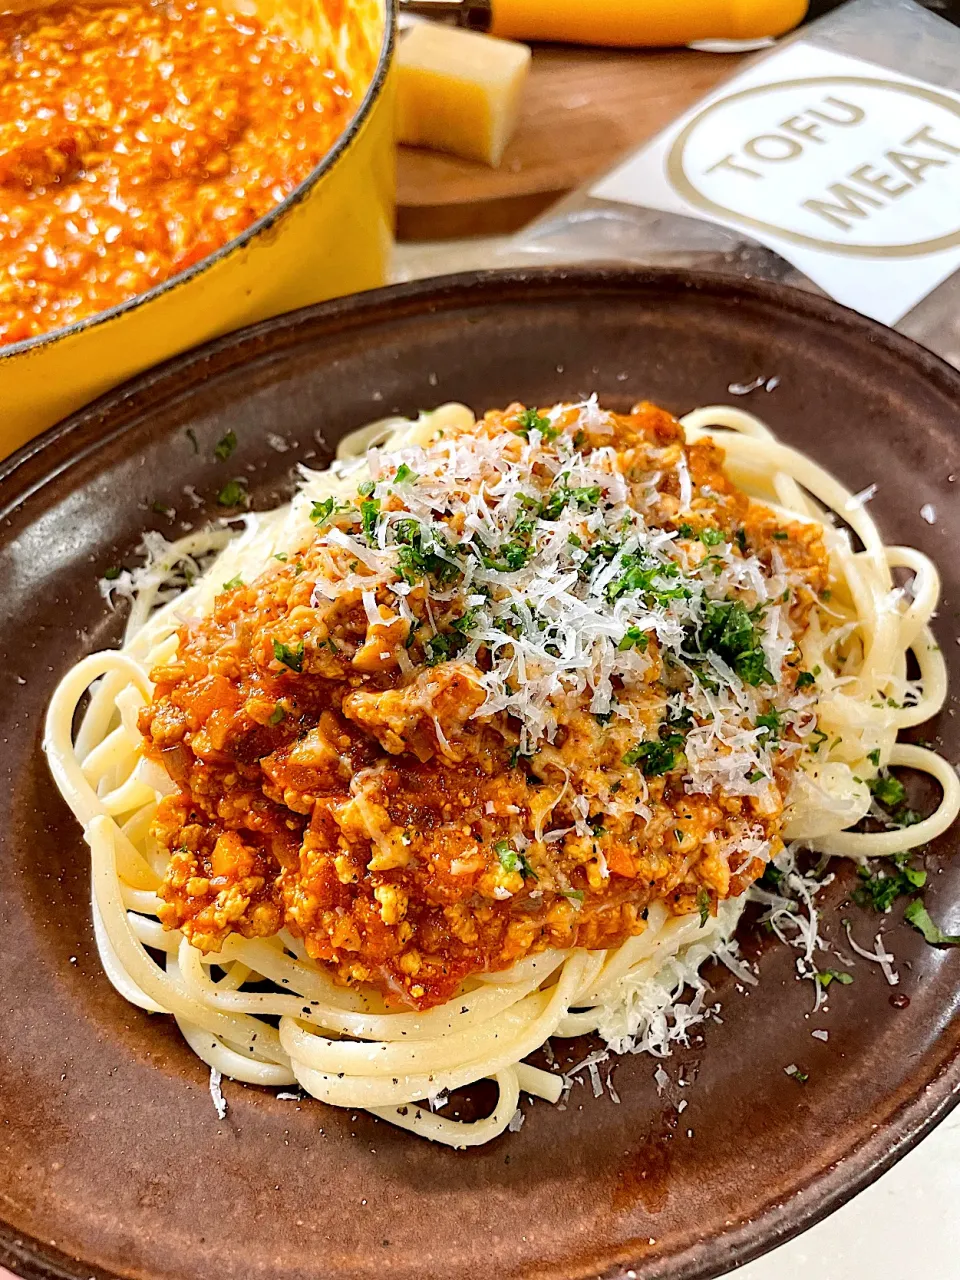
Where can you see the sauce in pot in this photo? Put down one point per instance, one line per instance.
(135, 140)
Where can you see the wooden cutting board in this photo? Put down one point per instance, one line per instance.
(583, 109)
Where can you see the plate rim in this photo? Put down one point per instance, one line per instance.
(458, 290)
(26, 471)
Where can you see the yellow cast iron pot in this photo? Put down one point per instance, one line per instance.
(331, 236)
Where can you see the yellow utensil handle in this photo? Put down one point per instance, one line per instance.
(644, 22)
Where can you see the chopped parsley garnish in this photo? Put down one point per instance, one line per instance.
(685, 530)
(443, 647)
(530, 420)
(656, 758)
(411, 564)
(638, 574)
(756, 776)
(599, 551)
(772, 876)
(321, 511)
(526, 520)
(509, 857)
(370, 517)
(225, 446)
(826, 976)
(780, 535)
(711, 537)
(281, 555)
(881, 889)
(234, 582)
(466, 622)
(587, 497)
(511, 860)
(918, 915)
(416, 557)
(113, 573)
(874, 756)
(729, 631)
(891, 794)
(407, 532)
(888, 791)
(279, 714)
(365, 488)
(703, 905)
(162, 509)
(290, 655)
(770, 722)
(681, 721)
(634, 638)
(404, 474)
(914, 875)
(805, 679)
(575, 895)
(233, 494)
(751, 667)
(513, 556)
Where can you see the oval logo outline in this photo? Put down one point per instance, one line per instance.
(685, 188)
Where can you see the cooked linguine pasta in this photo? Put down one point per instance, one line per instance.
(482, 740)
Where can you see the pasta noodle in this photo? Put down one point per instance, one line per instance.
(344, 1044)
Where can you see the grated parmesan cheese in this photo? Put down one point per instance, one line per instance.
(553, 626)
(219, 1102)
(879, 955)
(744, 388)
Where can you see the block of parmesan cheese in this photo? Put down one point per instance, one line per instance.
(459, 91)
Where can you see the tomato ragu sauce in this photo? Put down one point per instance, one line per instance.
(335, 775)
(137, 139)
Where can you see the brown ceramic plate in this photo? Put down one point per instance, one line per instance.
(112, 1159)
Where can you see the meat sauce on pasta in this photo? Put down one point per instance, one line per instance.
(345, 770)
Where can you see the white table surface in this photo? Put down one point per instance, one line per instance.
(905, 1227)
